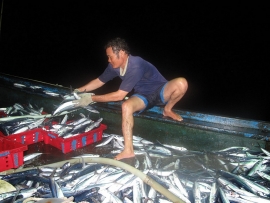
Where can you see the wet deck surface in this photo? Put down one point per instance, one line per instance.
(51, 154)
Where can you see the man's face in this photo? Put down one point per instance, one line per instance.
(115, 61)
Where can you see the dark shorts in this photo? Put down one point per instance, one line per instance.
(151, 100)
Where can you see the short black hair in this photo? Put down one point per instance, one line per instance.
(118, 44)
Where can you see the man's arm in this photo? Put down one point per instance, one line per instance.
(89, 98)
(92, 85)
(113, 96)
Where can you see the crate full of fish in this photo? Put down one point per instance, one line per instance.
(74, 135)
(23, 130)
(11, 154)
(28, 137)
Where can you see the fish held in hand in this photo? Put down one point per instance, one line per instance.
(85, 100)
(65, 106)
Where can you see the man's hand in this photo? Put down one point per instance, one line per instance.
(85, 100)
(76, 91)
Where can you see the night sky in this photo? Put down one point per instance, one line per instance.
(221, 49)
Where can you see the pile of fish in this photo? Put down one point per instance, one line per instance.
(67, 103)
(22, 118)
(235, 174)
(21, 110)
(37, 89)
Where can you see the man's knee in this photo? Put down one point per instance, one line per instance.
(182, 83)
(125, 106)
(133, 105)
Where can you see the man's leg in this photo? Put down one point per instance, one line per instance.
(173, 92)
(130, 106)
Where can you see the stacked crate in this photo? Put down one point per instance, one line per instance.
(12, 147)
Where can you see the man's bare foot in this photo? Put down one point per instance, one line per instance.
(124, 155)
(172, 115)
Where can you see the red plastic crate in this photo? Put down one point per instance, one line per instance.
(11, 154)
(2, 114)
(28, 137)
(76, 142)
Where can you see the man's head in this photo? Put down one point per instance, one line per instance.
(117, 45)
(117, 51)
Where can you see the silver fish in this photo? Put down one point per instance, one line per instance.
(266, 152)
(175, 147)
(223, 196)
(118, 144)
(121, 181)
(36, 123)
(65, 106)
(31, 156)
(105, 141)
(263, 191)
(255, 199)
(35, 87)
(179, 184)
(91, 109)
(161, 172)
(229, 185)
(263, 175)
(213, 193)
(19, 85)
(173, 189)
(257, 166)
(93, 125)
(110, 195)
(137, 193)
(51, 93)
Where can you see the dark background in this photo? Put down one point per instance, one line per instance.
(220, 48)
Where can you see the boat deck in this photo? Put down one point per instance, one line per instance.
(198, 131)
